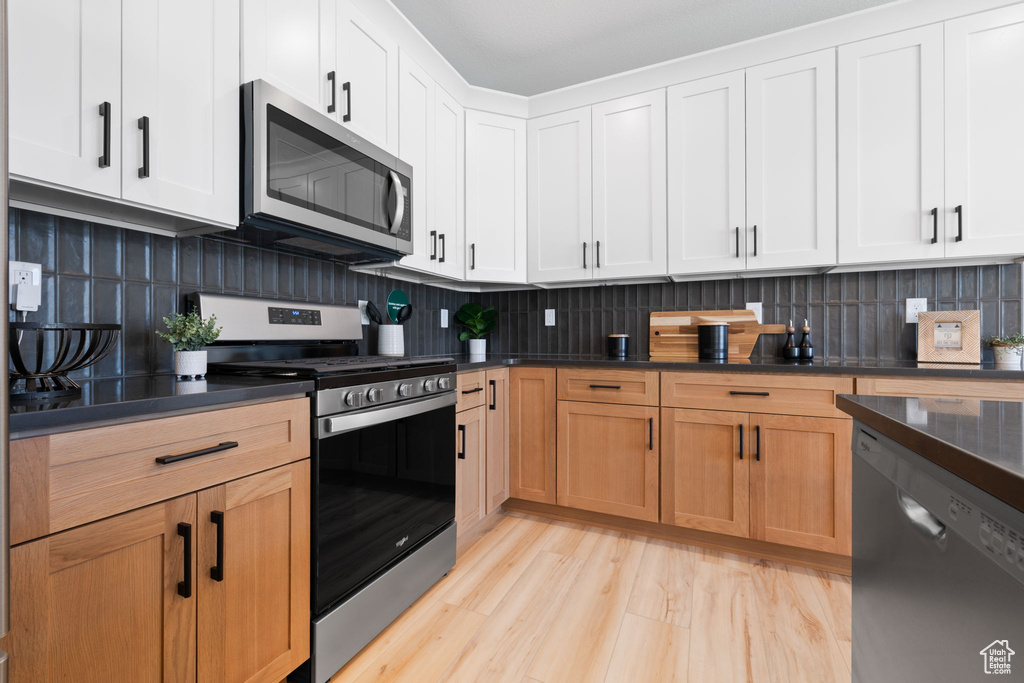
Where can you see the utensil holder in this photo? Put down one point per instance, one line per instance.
(390, 340)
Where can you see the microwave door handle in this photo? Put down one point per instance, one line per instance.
(396, 197)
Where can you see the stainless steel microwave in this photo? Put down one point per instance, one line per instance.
(310, 185)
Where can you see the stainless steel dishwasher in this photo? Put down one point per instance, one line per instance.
(938, 572)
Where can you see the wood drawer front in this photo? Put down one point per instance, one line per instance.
(472, 390)
(64, 480)
(629, 387)
(777, 394)
(1003, 390)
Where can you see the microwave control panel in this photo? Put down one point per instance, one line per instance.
(294, 316)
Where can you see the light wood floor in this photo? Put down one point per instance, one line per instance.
(546, 601)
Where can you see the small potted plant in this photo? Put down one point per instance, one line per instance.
(189, 334)
(1007, 350)
(478, 321)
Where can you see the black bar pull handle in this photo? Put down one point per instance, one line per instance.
(959, 222)
(757, 429)
(185, 587)
(144, 127)
(755, 240)
(749, 393)
(472, 256)
(433, 245)
(741, 441)
(217, 571)
(650, 433)
(167, 459)
(462, 434)
(105, 115)
(738, 254)
(584, 256)
(494, 394)
(935, 225)
(347, 88)
(334, 93)
(443, 249)
(472, 391)
(597, 259)
(605, 386)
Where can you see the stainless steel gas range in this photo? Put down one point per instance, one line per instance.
(383, 471)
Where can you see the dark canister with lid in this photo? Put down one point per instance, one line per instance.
(713, 341)
(618, 346)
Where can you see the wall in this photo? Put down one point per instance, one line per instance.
(852, 315)
(97, 273)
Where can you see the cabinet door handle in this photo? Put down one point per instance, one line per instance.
(757, 429)
(433, 245)
(935, 225)
(584, 256)
(959, 222)
(605, 386)
(597, 259)
(167, 459)
(185, 587)
(443, 249)
(217, 571)
(650, 433)
(334, 93)
(738, 254)
(105, 115)
(755, 240)
(749, 393)
(462, 434)
(347, 88)
(741, 441)
(494, 394)
(144, 127)
(472, 256)
(472, 391)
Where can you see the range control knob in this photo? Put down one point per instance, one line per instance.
(373, 395)
(405, 390)
(354, 399)
(445, 383)
(430, 385)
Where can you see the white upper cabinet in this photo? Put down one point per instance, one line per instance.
(416, 121)
(495, 197)
(706, 201)
(65, 93)
(447, 184)
(629, 186)
(180, 109)
(890, 148)
(985, 134)
(560, 218)
(791, 162)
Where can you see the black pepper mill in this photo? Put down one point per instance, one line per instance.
(790, 351)
(806, 347)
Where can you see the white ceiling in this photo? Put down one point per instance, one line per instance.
(533, 46)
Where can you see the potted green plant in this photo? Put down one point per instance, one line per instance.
(189, 334)
(478, 322)
(1007, 350)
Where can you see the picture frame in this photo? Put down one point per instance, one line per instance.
(949, 337)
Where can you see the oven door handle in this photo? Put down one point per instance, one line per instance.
(329, 426)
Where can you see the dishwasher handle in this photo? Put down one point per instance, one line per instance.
(924, 522)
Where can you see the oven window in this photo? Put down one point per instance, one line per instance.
(380, 491)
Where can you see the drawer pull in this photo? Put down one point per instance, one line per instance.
(472, 391)
(749, 393)
(168, 459)
(217, 571)
(185, 587)
(605, 386)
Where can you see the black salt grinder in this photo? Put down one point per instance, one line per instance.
(790, 351)
(806, 347)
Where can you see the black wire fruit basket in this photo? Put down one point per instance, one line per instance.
(42, 355)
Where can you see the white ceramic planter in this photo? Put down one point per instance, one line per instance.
(477, 349)
(1008, 356)
(190, 364)
(390, 340)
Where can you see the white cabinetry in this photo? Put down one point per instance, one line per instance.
(415, 123)
(791, 162)
(495, 197)
(890, 148)
(561, 242)
(448, 183)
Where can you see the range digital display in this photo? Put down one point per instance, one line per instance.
(294, 316)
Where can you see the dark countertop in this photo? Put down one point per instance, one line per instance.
(115, 399)
(754, 364)
(981, 442)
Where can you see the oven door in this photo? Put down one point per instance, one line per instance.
(383, 483)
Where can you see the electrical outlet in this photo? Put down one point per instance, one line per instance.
(444, 317)
(25, 285)
(549, 317)
(915, 306)
(756, 308)
(363, 317)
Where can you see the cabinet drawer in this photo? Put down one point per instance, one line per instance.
(631, 387)
(471, 390)
(63, 480)
(1003, 390)
(778, 394)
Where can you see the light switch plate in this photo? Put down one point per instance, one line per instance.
(915, 306)
(363, 318)
(549, 317)
(444, 317)
(756, 308)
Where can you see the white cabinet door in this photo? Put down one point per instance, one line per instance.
(64, 60)
(416, 143)
(629, 186)
(448, 182)
(367, 78)
(495, 197)
(890, 148)
(985, 133)
(560, 218)
(706, 200)
(288, 44)
(180, 78)
(791, 162)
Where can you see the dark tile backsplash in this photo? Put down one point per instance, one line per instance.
(97, 273)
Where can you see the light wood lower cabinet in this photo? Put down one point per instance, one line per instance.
(497, 439)
(481, 448)
(608, 458)
(532, 419)
(470, 481)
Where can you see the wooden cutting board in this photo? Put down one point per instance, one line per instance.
(674, 333)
